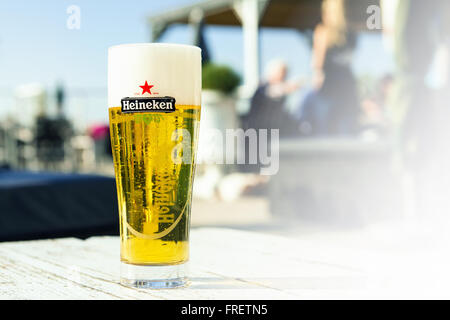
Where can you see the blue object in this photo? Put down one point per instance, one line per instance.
(51, 205)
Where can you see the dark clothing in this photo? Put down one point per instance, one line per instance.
(339, 88)
(51, 135)
(314, 115)
(334, 108)
(268, 112)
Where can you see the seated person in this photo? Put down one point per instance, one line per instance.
(267, 105)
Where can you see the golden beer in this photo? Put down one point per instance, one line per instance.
(154, 93)
(154, 191)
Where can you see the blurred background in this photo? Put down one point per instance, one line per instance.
(358, 90)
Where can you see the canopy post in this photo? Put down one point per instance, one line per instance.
(249, 13)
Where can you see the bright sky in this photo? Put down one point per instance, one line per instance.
(36, 45)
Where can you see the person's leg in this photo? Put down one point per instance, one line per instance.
(315, 113)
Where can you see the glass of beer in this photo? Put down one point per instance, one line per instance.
(154, 93)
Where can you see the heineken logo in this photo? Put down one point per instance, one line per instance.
(147, 104)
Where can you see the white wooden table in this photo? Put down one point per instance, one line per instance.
(225, 264)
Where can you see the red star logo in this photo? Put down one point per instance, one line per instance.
(146, 88)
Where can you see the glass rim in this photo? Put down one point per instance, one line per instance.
(154, 44)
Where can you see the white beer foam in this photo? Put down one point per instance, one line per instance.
(172, 69)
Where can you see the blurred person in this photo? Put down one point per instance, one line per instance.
(373, 117)
(420, 27)
(267, 107)
(52, 134)
(332, 107)
(62, 124)
(45, 136)
(420, 118)
(102, 142)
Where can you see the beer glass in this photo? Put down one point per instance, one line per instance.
(154, 93)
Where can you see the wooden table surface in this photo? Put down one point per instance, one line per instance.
(224, 264)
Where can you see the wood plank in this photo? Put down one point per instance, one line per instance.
(225, 264)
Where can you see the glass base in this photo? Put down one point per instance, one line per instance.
(153, 277)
